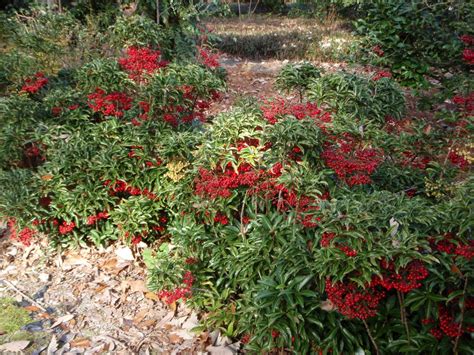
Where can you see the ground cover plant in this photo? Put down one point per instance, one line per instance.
(340, 223)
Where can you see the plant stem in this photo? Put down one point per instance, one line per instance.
(463, 307)
(371, 337)
(403, 314)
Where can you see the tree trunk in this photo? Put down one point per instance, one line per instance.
(158, 11)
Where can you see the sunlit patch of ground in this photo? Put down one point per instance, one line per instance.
(262, 37)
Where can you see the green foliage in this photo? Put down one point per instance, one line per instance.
(358, 96)
(136, 31)
(297, 77)
(416, 35)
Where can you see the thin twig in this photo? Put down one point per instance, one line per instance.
(456, 342)
(24, 295)
(145, 338)
(403, 314)
(371, 337)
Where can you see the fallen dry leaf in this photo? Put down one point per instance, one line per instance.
(62, 319)
(80, 343)
(32, 308)
(14, 346)
(101, 287)
(455, 269)
(140, 316)
(137, 286)
(175, 339)
(152, 296)
(74, 259)
(109, 264)
(148, 323)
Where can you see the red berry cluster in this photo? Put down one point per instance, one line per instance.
(56, 111)
(139, 62)
(25, 236)
(447, 323)
(458, 160)
(33, 154)
(193, 107)
(468, 40)
(451, 245)
(245, 338)
(178, 293)
(145, 108)
(97, 217)
(220, 183)
(465, 103)
(436, 332)
(113, 104)
(378, 51)
(328, 237)
(247, 142)
(33, 85)
(208, 59)
(221, 218)
(352, 301)
(66, 228)
(351, 164)
(468, 56)
(405, 279)
(279, 108)
(123, 189)
(381, 74)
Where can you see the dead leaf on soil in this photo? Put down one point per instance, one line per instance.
(148, 323)
(165, 319)
(32, 308)
(62, 319)
(43, 315)
(175, 339)
(80, 343)
(15, 346)
(140, 316)
(100, 287)
(109, 264)
(74, 259)
(137, 286)
(152, 296)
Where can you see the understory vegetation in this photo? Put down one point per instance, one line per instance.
(337, 222)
